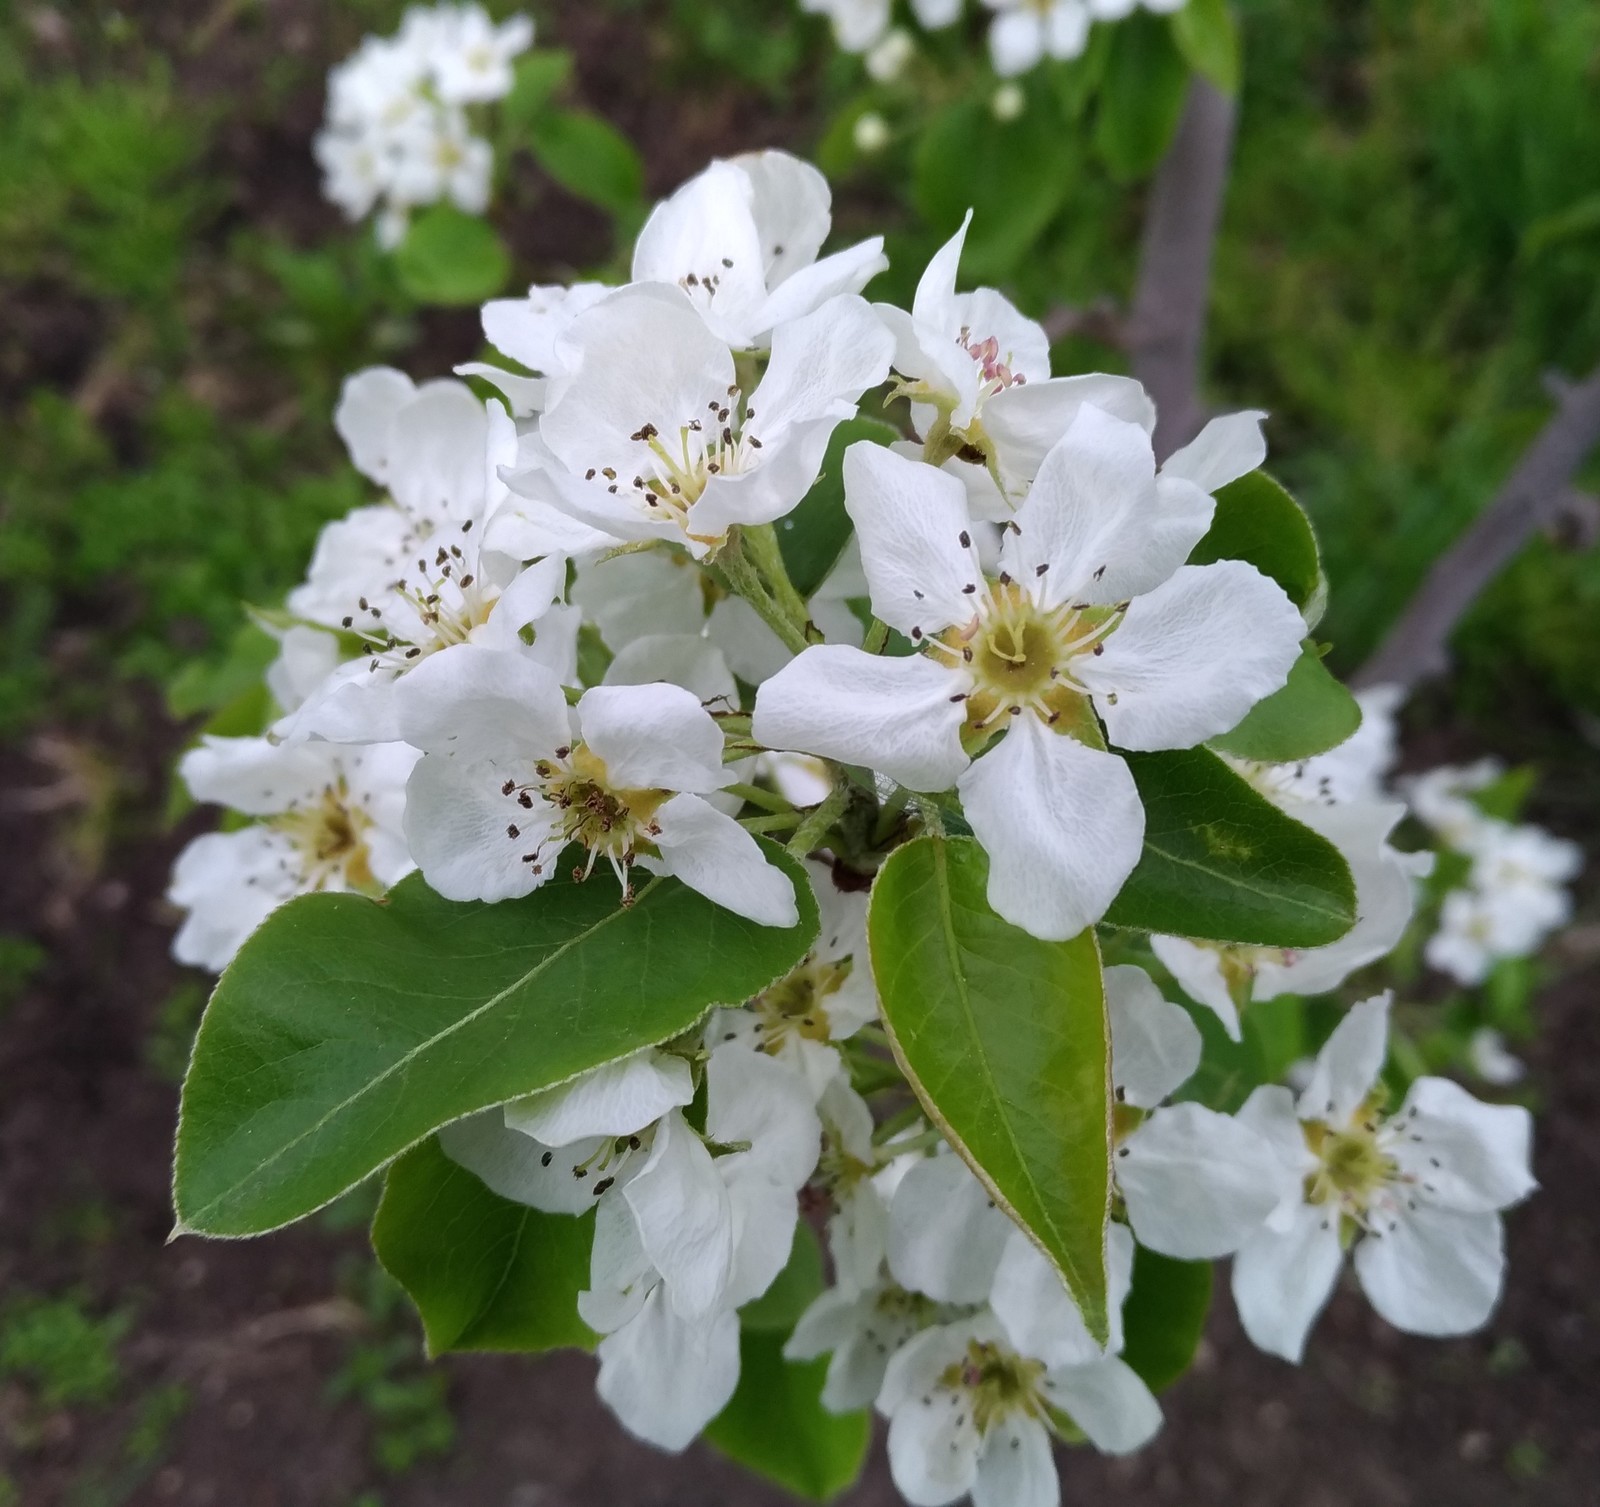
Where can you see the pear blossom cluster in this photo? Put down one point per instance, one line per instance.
(399, 132)
(1021, 34)
(1515, 894)
(563, 637)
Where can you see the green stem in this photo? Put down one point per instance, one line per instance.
(816, 824)
(877, 638)
(743, 577)
(756, 796)
(779, 821)
(762, 542)
(928, 811)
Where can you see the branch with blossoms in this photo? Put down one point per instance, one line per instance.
(781, 755)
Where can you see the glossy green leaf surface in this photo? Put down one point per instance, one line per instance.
(1311, 714)
(776, 1425)
(1223, 864)
(1165, 1315)
(449, 257)
(346, 1030)
(1258, 522)
(484, 1272)
(1004, 1039)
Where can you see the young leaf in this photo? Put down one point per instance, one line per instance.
(485, 1273)
(1258, 522)
(776, 1425)
(1223, 864)
(1141, 97)
(1208, 38)
(814, 535)
(536, 78)
(347, 1030)
(1311, 714)
(1004, 1039)
(588, 157)
(1165, 1316)
(1014, 175)
(449, 257)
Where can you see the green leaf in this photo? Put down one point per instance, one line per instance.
(589, 157)
(1223, 864)
(814, 535)
(1141, 97)
(449, 257)
(1208, 38)
(1165, 1316)
(484, 1272)
(776, 1425)
(1014, 175)
(797, 1284)
(346, 1029)
(210, 685)
(537, 78)
(1004, 1039)
(1311, 714)
(1259, 522)
(1505, 796)
(1273, 1038)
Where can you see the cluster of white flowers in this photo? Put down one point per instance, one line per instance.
(1515, 894)
(1032, 614)
(398, 133)
(1022, 34)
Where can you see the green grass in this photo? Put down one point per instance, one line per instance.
(65, 1355)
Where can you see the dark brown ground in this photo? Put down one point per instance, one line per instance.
(255, 1330)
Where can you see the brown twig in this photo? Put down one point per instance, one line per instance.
(1417, 645)
(1165, 329)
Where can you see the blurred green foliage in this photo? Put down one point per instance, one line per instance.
(65, 1354)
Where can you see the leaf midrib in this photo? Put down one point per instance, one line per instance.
(400, 1063)
(1237, 883)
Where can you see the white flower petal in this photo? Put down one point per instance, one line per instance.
(1109, 1402)
(1016, 42)
(1434, 1271)
(911, 520)
(1197, 1183)
(519, 1168)
(1226, 449)
(1198, 969)
(1464, 1154)
(712, 853)
(615, 1100)
(1016, 1468)
(364, 417)
(753, 1097)
(1062, 825)
(680, 659)
(479, 703)
(1348, 1064)
(1023, 423)
(436, 453)
(933, 1448)
(667, 1377)
(653, 737)
(1283, 1279)
(457, 826)
(1039, 1315)
(1155, 1047)
(821, 364)
(685, 1219)
(892, 714)
(1191, 657)
(946, 1235)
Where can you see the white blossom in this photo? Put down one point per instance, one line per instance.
(1093, 617)
(1025, 32)
(511, 775)
(327, 819)
(1418, 1193)
(648, 435)
(740, 241)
